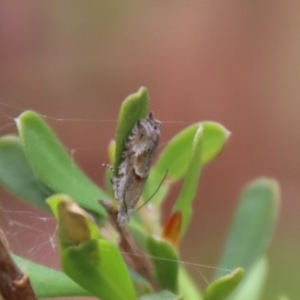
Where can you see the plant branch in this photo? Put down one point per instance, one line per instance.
(130, 248)
(14, 285)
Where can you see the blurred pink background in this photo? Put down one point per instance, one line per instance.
(235, 62)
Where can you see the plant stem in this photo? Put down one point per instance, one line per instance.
(14, 285)
(130, 248)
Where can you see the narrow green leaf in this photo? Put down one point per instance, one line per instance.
(283, 298)
(48, 283)
(187, 287)
(176, 156)
(53, 165)
(93, 263)
(139, 233)
(98, 267)
(133, 108)
(224, 286)
(165, 260)
(189, 189)
(17, 176)
(153, 182)
(252, 285)
(109, 172)
(141, 285)
(107, 178)
(164, 295)
(252, 226)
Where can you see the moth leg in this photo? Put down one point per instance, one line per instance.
(109, 167)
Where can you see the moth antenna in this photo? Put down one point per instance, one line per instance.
(161, 182)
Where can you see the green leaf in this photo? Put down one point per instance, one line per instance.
(98, 267)
(165, 260)
(224, 286)
(189, 189)
(164, 295)
(48, 283)
(176, 156)
(53, 165)
(187, 287)
(139, 233)
(141, 285)
(133, 108)
(17, 176)
(93, 263)
(109, 172)
(252, 285)
(252, 226)
(283, 298)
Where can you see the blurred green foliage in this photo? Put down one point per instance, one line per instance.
(35, 167)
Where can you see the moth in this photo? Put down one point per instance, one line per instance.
(135, 165)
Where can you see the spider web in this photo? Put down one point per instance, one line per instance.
(31, 233)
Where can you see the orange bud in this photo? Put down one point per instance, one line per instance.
(172, 228)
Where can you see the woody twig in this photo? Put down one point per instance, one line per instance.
(14, 285)
(131, 251)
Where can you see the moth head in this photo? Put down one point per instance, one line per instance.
(155, 124)
(148, 128)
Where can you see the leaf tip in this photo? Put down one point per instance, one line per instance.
(237, 272)
(227, 133)
(25, 114)
(142, 90)
(25, 117)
